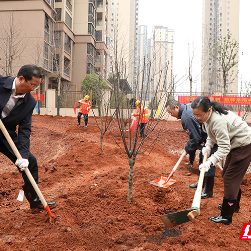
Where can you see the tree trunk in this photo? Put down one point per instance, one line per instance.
(101, 141)
(59, 86)
(130, 179)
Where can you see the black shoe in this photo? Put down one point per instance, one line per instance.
(208, 190)
(189, 163)
(237, 207)
(32, 197)
(196, 184)
(225, 217)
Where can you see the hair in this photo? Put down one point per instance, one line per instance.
(204, 104)
(172, 103)
(29, 71)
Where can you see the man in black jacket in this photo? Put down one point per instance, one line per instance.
(16, 108)
(197, 137)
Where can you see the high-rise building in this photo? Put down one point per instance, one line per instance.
(65, 38)
(142, 64)
(219, 18)
(123, 38)
(154, 61)
(162, 58)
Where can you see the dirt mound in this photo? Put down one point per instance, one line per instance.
(90, 188)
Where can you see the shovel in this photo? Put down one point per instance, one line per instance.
(166, 182)
(172, 220)
(27, 172)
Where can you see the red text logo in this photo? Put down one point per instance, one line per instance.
(246, 232)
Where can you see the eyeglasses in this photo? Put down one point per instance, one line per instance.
(33, 87)
(199, 117)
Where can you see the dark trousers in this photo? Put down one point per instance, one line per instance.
(85, 118)
(192, 156)
(211, 171)
(236, 165)
(32, 163)
(142, 129)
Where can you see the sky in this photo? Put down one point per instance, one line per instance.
(185, 18)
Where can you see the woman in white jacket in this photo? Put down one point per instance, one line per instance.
(233, 137)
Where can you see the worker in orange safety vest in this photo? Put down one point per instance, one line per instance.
(142, 113)
(85, 107)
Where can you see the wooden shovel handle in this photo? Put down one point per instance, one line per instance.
(18, 155)
(197, 195)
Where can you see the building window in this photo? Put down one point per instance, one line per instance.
(99, 22)
(90, 29)
(69, 5)
(67, 43)
(58, 14)
(68, 19)
(90, 49)
(100, 4)
(91, 9)
(56, 63)
(46, 23)
(89, 69)
(67, 66)
(99, 36)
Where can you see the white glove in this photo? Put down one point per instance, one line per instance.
(22, 163)
(206, 165)
(206, 149)
(87, 108)
(80, 101)
(132, 114)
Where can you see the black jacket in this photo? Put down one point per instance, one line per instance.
(19, 116)
(192, 127)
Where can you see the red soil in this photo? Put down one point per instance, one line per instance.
(90, 188)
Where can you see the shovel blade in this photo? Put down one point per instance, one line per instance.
(174, 219)
(161, 182)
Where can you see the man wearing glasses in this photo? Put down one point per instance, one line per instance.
(16, 108)
(197, 137)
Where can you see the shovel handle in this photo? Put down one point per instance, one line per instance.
(175, 167)
(197, 195)
(18, 155)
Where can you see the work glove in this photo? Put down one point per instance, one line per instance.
(206, 165)
(22, 163)
(87, 108)
(206, 149)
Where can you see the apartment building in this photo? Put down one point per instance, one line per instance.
(123, 18)
(65, 38)
(142, 64)
(162, 58)
(219, 18)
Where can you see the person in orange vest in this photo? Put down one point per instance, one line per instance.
(141, 111)
(85, 107)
